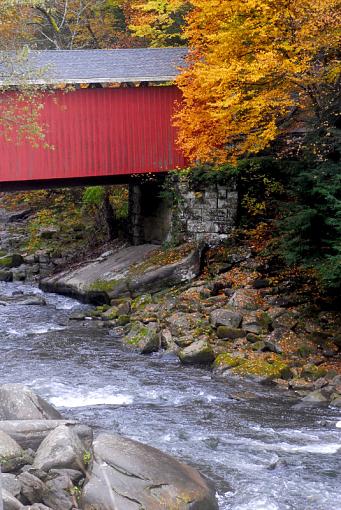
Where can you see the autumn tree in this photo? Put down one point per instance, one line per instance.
(19, 111)
(74, 24)
(160, 22)
(253, 64)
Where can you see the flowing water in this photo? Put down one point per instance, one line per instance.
(261, 453)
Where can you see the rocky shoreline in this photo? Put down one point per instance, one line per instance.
(236, 318)
(49, 463)
(237, 322)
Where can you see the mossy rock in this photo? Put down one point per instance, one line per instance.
(313, 372)
(9, 261)
(104, 285)
(102, 308)
(261, 368)
(258, 346)
(227, 360)
(111, 313)
(141, 302)
(227, 333)
(123, 320)
(145, 338)
(197, 353)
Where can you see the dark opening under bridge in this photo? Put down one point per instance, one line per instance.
(115, 122)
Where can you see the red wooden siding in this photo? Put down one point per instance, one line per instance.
(99, 132)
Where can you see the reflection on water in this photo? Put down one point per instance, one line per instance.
(261, 453)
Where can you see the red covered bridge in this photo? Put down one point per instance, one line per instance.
(117, 120)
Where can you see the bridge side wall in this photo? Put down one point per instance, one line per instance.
(179, 211)
(97, 133)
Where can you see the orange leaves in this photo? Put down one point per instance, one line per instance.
(251, 63)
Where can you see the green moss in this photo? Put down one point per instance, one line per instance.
(227, 360)
(141, 302)
(6, 261)
(123, 320)
(161, 257)
(259, 367)
(102, 308)
(104, 285)
(137, 334)
(312, 372)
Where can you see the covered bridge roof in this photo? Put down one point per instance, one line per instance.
(93, 66)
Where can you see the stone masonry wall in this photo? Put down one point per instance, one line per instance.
(191, 213)
(205, 213)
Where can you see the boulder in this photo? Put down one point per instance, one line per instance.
(245, 299)
(10, 502)
(14, 260)
(256, 322)
(228, 333)
(6, 276)
(12, 457)
(8, 447)
(58, 493)
(144, 337)
(11, 484)
(32, 488)
(23, 299)
(167, 341)
(130, 475)
(314, 398)
(30, 433)
(17, 402)
(125, 275)
(224, 317)
(198, 352)
(181, 322)
(62, 448)
(38, 506)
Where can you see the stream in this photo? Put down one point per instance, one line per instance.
(261, 453)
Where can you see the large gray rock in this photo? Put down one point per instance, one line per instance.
(32, 488)
(11, 484)
(30, 433)
(245, 299)
(17, 402)
(12, 457)
(22, 299)
(123, 274)
(224, 317)
(8, 447)
(130, 476)
(197, 352)
(145, 338)
(10, 502)
(180, 323)
(62, 448)
(58, 493)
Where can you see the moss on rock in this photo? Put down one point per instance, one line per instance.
(227, 360)
(277, 369)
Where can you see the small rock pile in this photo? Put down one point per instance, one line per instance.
(49, 463)
(242, 329)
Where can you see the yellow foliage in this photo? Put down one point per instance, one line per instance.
(251, 63)
(159, 22)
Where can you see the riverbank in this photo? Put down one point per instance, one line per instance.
(229, 307)
(234, 316)
(249, 439)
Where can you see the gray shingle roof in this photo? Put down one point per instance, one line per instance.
(94, 66)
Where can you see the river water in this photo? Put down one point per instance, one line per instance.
(261, 453)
